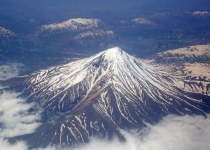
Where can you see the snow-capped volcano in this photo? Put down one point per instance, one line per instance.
(99, 94)
(59, 86)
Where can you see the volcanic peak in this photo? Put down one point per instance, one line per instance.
(113, 52)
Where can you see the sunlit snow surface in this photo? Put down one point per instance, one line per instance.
(173, 132)
(111, 68)
(71, 24)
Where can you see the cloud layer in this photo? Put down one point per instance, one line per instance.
(15, 116)
(172, 133)
(16, 119)
(10, 70)
(5, 145)
(177, 133)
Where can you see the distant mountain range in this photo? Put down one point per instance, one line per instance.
(78, 24)
(141, 35)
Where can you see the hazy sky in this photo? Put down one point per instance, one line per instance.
(13, 11)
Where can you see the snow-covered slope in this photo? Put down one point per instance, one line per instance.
(141, 21)
(5, 33)
(97, 95)
(200, 13)
(111, 68)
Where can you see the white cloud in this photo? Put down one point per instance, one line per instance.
(177, 133)
(172, 133)
(15, 116)
(15, 120)
(5, 145)
(9, 71)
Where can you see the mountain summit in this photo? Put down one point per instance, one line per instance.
(97, 95)
(57, 87)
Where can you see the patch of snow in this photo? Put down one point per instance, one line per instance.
(141, 21)
(95, 34)
(200, 13)
(72, 24)
(6, 33)
(198, 50)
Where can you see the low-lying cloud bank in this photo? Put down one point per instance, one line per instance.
(9, 70)
(172, 133)
(5, 145)
(15, 117)
(177, 133)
